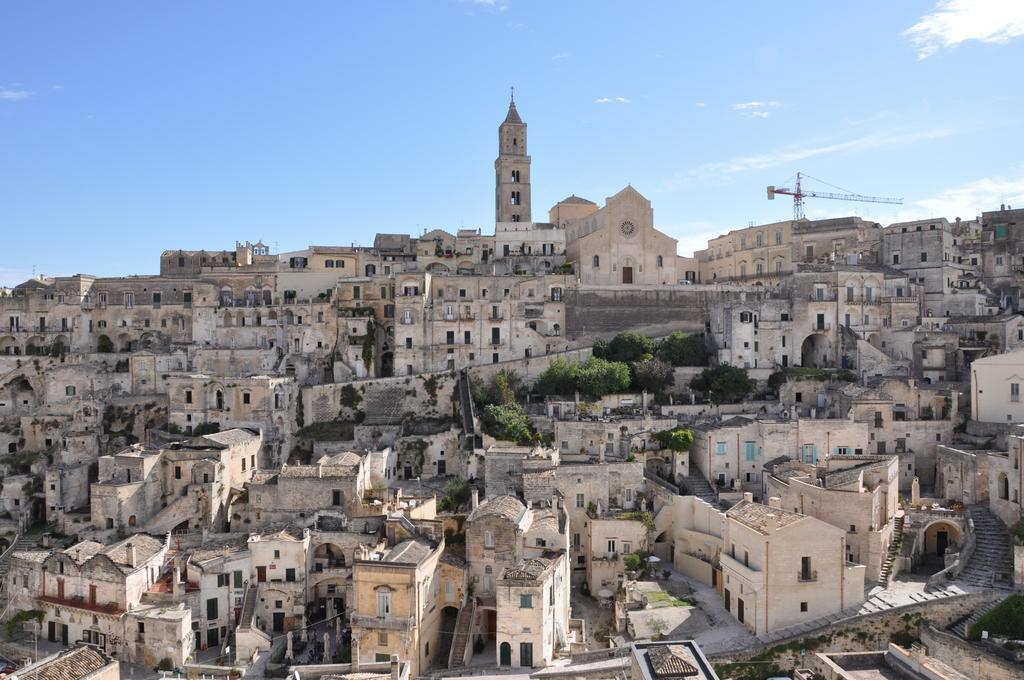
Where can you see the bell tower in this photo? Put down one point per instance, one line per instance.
(512, 170)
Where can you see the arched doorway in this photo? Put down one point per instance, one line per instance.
(387, 364)
(874, 341)
(1003, 486)
(505, 654)
(941, 537)
(814, 351)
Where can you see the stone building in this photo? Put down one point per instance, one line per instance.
(860, 499)
(781, 568)
(184, 484)
(618, 245)
(929, 251)
(732, 454)
(93, 593)
(1006, 482)
(280, 562)
(533, 611)
(394, 610)
(996, 388)
(296, 492)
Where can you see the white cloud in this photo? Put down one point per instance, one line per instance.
(972, 198)
(14, 95)
(747, 106)
(954, 22)
(782, 157)
(560, 56)
(759, 114)
(700, 105)
(612, 100)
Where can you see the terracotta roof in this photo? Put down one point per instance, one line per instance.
(509, 507)
(755, 515)
(70, 665)
(672, 661)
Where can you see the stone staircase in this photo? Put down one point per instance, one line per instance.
(466, 402)
(463, 631)
(245, 619)
(894, 550)
(696, 485)
(181, 509)
(961, 627)
(991, 564)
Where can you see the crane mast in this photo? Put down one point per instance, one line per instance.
(799, 194)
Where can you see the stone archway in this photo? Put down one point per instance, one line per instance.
(815, 351)
(875, 341)
(941, 536)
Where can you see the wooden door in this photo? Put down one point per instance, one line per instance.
(627, 275)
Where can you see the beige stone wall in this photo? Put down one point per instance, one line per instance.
(968, 658)
(992, 398)
(870, 631)
(763, 571)
(629, 250)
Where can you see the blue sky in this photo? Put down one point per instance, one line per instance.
(128, 128)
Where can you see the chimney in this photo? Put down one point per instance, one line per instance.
(771, 523)
(476, 499)
(176, 580)
(748, 496)
(396, 671)
(554, 501)
(130, 552)
(775, 502)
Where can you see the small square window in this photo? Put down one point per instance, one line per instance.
(803, 606)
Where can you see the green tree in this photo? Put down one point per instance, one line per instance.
(599, 377)
(630, 346)
(369, 343)
(680, 349)
(205, 428)
(676, 439)
(506, 421)
(653, 375)
(104, 345)
(723, 384)
(504, 387)
(559, 378)
(458, 490)
(600, 349)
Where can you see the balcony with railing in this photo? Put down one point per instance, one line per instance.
(402, 623)
(79, 602)
(807, 575)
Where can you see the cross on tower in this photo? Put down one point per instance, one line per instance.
(512, 92)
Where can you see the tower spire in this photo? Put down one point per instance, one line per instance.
(512, 168)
